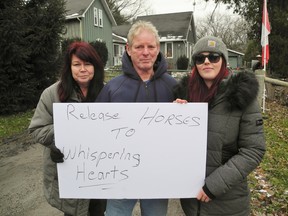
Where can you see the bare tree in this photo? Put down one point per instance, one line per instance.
(232, 29)
(126, 10)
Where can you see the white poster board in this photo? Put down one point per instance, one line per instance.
(131, 150)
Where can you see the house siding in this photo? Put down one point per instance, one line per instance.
(180, 48)
(93, 33)
(235, 60)
(72, 29)
(84, 28)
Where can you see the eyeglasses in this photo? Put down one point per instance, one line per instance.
(212, 57)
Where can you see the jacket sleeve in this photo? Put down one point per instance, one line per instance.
(251, 149)
(41, 125)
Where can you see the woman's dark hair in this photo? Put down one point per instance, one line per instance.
(67, 85)
(198, 90)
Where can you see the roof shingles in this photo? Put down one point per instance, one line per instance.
(168, 25)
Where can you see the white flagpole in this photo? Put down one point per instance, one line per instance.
(265, 53)
(265, 39)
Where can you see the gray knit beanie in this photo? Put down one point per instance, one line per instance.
(210, 44)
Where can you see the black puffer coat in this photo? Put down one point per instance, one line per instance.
(236, 146)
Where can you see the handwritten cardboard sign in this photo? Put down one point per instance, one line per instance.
(131, 150)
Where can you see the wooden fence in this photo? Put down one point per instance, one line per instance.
(271, 89)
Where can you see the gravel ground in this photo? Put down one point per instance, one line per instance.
(21, 181)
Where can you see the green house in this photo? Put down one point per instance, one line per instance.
(176, 31)
(235, 59)
(90, 20)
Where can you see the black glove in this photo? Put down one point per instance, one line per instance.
(56, 155)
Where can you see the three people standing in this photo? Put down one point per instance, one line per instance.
(236, 142)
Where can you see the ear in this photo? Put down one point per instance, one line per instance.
(158, 47)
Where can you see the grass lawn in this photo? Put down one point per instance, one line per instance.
(14, 124)
(269, 183)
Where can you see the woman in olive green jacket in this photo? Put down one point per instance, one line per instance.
(81, 81)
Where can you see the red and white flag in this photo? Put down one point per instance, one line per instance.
(264, 35)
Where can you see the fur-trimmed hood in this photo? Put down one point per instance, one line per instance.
(235, 147)
(239, 89)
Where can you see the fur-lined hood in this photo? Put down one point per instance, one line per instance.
(239, 89)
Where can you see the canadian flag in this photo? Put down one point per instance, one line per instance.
(264, 35)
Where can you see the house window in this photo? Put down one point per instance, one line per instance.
(122, 50)
(100, 18)
(119, 49)
(95, 17)
(116, 49)
(169, 50)
(118, 53)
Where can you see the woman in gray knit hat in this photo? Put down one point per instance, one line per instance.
(235, 142)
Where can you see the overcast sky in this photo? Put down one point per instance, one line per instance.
(200, 9)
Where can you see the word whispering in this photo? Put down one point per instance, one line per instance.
(78, 152)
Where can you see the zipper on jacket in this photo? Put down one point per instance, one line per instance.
(146, 88)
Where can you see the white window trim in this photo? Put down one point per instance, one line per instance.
(166, 50)
(96, 16)
(100, 13)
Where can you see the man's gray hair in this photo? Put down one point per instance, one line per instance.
(140, 25)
